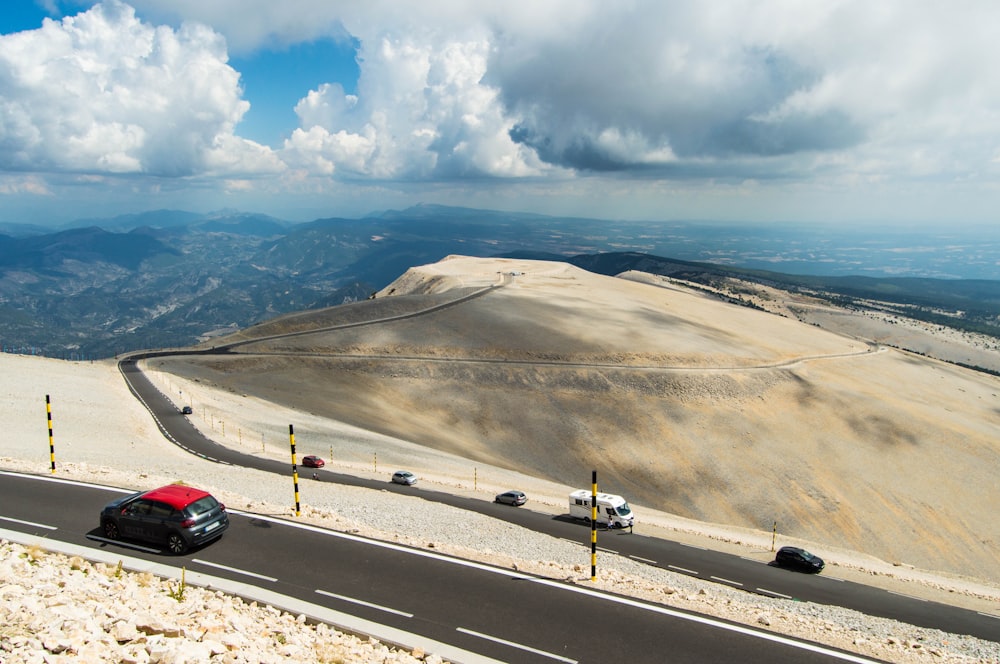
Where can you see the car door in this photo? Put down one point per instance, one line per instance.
(131, 520)
(157, 523)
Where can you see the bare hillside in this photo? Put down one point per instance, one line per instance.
(681, 402)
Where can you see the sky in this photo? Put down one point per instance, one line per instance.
(842, 112)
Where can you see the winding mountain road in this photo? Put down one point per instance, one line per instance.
(465, 611)
(748, 575)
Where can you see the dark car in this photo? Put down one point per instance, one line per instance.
(793, 557)
(186, 410)
(404, 477)
(311, 461)
(176, 516)
(515, 498)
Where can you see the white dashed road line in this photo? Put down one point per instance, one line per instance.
(28, 523)
(721, 580)
(234, 570)
(643, 560)
(682, 569)
(773, 594)
(515, 645)
(361, 602)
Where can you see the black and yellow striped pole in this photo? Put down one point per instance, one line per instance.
(52, 446)
(593, 528)
(295, 470)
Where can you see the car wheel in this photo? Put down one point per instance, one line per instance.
(111, 530)
(176, 544)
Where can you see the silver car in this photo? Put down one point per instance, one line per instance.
(404, 477)
(515, 498)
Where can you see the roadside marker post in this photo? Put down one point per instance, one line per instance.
(295, 470)
(52, 447)
(593, 528)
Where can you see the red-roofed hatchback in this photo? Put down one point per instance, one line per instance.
(175, 516)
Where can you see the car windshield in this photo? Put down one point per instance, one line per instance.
(806, 555)
(200, 506)
(623, 509)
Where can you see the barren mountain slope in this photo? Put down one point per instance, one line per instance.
(681, 402)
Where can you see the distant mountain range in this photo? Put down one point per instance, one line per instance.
(172, 278)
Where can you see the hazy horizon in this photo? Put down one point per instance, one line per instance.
(953, 251)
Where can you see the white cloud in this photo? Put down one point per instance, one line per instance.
(835, 96)
(104, 92)
(421, 112)
(757, 88)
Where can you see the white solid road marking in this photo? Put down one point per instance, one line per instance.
(692, 546)
(721, 580)
(59, 480)
(352, 600)
(919, 599)
(235, 570)
(27, 523)
(519, 646)
(773, 594)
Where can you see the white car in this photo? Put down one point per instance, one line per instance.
(404, 477)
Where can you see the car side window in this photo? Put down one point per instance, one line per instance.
(160, 511)
(139, 508)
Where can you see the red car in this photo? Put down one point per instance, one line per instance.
(311, 461)
(176, 515)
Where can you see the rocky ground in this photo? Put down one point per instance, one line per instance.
(58, 608)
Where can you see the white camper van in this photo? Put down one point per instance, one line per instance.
(610, 508)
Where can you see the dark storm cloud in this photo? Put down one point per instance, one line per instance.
(564, 118)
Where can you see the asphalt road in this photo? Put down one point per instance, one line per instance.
(745, 574)
(493, 612)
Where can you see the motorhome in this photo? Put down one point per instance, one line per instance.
(610, 508)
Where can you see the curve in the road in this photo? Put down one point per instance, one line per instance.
(711, 566)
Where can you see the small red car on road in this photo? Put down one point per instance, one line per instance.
(311, 461)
